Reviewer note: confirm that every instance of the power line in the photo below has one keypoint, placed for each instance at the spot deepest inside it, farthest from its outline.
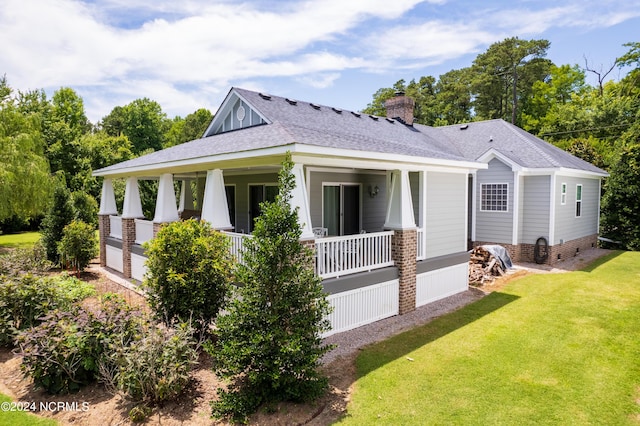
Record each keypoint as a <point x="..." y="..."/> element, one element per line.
<point x="585" y="130"/>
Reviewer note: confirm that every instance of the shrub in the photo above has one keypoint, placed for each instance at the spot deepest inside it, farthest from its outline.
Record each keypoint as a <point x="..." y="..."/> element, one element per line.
<point x="85" y="208"/>
<point x="23" y="260"/>
<point x="25" y="300"/>
<point x="64" y="352"/>
<point x="188" y="273"/>
<point x="78" y="245"/>
<point x="268" y="343"/>
<point x="154" y="366"/>
<point x="59" y="215"/>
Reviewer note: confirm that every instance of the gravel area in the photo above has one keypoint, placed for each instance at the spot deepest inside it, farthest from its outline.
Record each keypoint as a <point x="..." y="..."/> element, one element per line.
<point x="349" y="342"/>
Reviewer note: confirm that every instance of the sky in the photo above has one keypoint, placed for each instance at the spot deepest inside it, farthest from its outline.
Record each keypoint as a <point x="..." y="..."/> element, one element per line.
<point x="187" y="54"/>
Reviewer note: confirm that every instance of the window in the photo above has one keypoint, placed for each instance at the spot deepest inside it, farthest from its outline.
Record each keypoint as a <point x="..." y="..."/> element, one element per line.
<point x="578" y="200"/>
<point x="494" y="197"/>
<point x="563" y="194"/>
<point x="258" y="194"/>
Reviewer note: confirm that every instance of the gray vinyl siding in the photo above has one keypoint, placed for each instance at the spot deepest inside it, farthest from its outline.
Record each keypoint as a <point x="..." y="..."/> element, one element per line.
<point x="373" y="210"/>
<point x="569" y="227"/>
<point x="534" y="210"/>
<point x="446" y="226"/>
<point x="242" y="183"/>
<point x="496" y="227"/>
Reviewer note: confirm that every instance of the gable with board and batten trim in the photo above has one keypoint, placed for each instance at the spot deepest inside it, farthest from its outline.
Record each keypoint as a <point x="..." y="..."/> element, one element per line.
<point x="235" y="113"/>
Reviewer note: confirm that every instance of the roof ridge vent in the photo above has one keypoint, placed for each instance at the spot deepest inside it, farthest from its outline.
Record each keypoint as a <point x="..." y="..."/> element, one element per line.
<point x="464" y="126"/>
<point x="357" y="114"/>
<point x="374" y="117"/>
<point x="336" y="110"/>
<point x="265" y="96"/>
<point x="390" y="120"/>
<point x="291" y="101"/>
<point x="314" y="106"/>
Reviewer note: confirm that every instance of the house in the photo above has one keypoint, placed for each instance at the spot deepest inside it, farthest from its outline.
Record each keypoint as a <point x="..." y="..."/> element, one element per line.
<point x="387" y="205"/>
<point x="532" y="193"/>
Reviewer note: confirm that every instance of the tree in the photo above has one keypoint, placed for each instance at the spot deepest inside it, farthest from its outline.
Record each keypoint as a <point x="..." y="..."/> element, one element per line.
<point x="504" y="75"/>
<point x="142" y="121"/>
<point x="268" y="342"/>
<point x="24" y="171"/>
<point x="188" y="273"/>
<point x="192" y="127"/>
<point x="621" y="201"/>
<point x="59" y="215"/>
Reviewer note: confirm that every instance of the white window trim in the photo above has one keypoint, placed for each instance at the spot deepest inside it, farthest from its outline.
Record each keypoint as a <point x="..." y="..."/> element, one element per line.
<point x="578" y="201"/>
<point x="563" y="193"/>
<point x="507" y="204"/>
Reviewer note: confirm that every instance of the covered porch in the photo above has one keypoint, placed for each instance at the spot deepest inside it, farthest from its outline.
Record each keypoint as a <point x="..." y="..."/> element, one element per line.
<point x="347" y="217"/>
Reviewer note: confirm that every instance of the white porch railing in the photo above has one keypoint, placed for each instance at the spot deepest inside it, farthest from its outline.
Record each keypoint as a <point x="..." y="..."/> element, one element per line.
<point x="421" y="251"/>
<point x="144" y="231"/>
<point x="350" y="254"/>
<point x="115" y="223"/>
<point x="237" y="244"/>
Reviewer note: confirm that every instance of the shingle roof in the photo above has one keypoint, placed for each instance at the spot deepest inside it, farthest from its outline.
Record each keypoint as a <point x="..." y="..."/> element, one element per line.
<point x="323" y="126"/>
<point x="476" y="138"/>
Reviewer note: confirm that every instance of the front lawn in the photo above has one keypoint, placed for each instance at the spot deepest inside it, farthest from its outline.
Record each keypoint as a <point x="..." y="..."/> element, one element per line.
<point x="547" y="349"/>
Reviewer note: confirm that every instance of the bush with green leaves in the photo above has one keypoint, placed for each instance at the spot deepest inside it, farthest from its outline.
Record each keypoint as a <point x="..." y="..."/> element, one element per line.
<point x="24" y="300"/>
<point x="188" y="273"/>
<point x="78" y="245"/>
<point x="25" y="260"/>
<point x="85" y="208"/>
<point x="268" y="343"/>
<point x="59" y="215"/>
<point x="155" y="365"/>
<point x="64" y="352"/>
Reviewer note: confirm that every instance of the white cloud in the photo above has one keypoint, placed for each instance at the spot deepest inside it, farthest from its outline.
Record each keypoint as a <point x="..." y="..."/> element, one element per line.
<point x="183" y="53"/>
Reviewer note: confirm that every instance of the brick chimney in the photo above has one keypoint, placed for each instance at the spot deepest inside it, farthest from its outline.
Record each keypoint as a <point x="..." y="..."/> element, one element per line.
<point x="400" y="107"/>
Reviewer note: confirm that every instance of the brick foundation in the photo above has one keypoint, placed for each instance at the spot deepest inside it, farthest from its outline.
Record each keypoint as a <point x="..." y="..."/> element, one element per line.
<point x="128" y="239"/>
<point x="569" y="249"/>
<point x="557" y="253"/>
<point x="403" y="251"/>
<point x="104" y="229"/>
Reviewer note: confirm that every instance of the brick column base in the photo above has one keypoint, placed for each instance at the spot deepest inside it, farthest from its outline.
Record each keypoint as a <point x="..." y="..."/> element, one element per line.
<point x="404" y="250"/>
<point x="311" y="245"/>
<point x="104" y="227"/>
<point x="156" y="228"/>
<point x="128" y="239"/>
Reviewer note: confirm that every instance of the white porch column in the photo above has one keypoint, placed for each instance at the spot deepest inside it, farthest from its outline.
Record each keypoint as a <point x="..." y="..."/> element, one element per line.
<point x="399" y="205"/>
<point x="300" y="200"/>
<point x="215" y="209"/>
<point x="132" y="208"/>
<point x="166" y="210"/>
<point x="186" y="196"/>
<point x="107" y="199"/>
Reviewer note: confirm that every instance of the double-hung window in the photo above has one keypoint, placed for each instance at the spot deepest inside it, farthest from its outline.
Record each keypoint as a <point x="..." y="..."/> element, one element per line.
<point x="494" y="197"/>
<point x="578" y="200"/>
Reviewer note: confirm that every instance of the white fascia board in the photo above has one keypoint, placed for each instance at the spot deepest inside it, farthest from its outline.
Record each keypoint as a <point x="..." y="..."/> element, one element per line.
<point x="562" y="171"/>
<point x="493" y="153"/>
<point x="201" y="163"/>
<point x="304" y="154"/>
<point x="323" y="156"/>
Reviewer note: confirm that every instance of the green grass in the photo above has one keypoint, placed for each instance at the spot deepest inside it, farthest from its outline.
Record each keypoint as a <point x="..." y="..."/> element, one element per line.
<point x="21" y="418"/>
<point x="22" y="240"/>
<point x="547" y="349"/>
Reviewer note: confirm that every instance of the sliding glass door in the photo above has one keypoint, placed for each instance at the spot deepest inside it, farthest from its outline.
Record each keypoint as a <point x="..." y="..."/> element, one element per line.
<point x="341" y="208"/>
